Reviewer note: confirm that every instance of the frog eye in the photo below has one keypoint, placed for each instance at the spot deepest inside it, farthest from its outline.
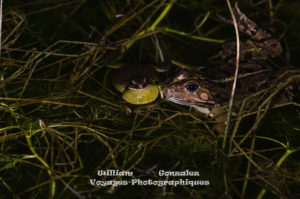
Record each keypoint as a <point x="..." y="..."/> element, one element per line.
<point x="131" y="83"/>
<point x="192" y="86"/>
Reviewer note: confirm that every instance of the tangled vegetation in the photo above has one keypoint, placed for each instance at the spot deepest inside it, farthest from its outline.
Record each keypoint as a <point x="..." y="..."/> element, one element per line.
<point x="61" y="120"/>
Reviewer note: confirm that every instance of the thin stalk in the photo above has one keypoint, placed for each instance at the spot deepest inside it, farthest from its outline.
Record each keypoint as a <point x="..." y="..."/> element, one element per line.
<point x="278" y="164"/>
<point x="235" y="74"/>
<point x="154" y="24"/>
<point x="271" y="8"/>
<point x="41" y="160"/>
<point x="1" y="3"/>
<point x="233" y="88"/>
<point x="161" y="16"/>
<point x="192" y="36"/>
<point x="203" y="21"/>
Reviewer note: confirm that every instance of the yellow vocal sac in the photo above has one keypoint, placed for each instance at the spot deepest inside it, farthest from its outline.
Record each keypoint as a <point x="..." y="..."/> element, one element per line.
<point x="141" y="96"/>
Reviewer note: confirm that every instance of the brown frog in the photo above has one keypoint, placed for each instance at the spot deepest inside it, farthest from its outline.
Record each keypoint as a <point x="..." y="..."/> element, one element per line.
<point x="190" y="89"/>
<point x="206" y="94"/>
<point x="257" y="49"/>
<point x="193" y="89"/>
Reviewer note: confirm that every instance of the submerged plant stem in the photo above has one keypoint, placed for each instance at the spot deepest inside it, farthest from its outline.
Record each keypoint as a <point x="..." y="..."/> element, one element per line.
<point x="29" y="143"/>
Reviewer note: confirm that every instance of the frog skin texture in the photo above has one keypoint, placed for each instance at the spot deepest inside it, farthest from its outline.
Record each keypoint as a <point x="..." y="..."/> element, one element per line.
<point x="206" y="91"/>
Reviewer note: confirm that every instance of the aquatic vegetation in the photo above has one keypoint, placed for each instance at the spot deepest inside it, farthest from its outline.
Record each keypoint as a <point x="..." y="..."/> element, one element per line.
<point x="61" y="119"/>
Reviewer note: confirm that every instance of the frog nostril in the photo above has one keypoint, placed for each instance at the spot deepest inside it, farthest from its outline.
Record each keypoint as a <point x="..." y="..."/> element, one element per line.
<point x="177" y="71"/>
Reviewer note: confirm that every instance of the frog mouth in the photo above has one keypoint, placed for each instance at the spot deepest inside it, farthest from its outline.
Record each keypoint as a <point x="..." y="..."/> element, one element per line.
<point x="199" y="103"/>
<point x="139" y="89"/>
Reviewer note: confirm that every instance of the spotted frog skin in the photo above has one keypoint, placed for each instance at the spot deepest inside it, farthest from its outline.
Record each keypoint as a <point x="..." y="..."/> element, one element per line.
<point x="190" y="89"/>
<point x="205" y="93"/>
<point x="257" y="49"/>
